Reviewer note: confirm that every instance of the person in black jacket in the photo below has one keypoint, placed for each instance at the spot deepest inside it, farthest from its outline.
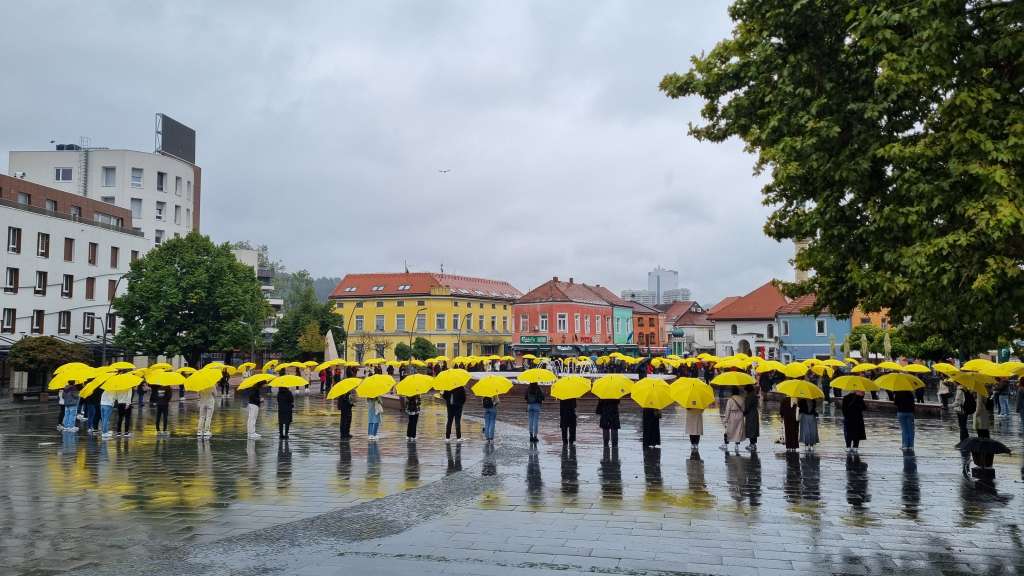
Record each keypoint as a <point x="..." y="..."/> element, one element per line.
<point x="285" y="406"/>
<point x="162" y="397"/>
<point x="567" y="420"/>
<point x="345" y="403"/>
<point x="853" y="420"/>
<point x="651" y="428"/>
<point x="412" y="413"/>
<point x="453" y="402"/>
<point x="608" y="410"/>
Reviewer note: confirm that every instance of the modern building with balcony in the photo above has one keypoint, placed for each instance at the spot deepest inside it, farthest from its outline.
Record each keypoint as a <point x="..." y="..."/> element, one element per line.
<point x="460" y="315"/>
<point x="265" y="277"/>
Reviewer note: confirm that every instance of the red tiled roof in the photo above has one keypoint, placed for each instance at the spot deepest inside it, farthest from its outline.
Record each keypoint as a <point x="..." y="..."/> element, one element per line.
<point x="608" y="296"/>
<point x="762" y="303"/>
<point x="723" y="303"/>
<point x="691" y="318"/>
<point x="639" y="308"/>
<point x="800" y="305"/>
<point x="555" y="290"/>
<point x="420" y="283"/>
<point x="675" y="309"/>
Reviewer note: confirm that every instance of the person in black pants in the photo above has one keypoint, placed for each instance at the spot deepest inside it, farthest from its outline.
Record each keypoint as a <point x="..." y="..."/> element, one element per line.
<point x="162" y="397"/>
<point x="345" y="403"/>
<point x="453" y="402"/>
<point x="608" y="410"/>
<point x="285" y="405"/>
<point x="567" y="420"/>
<point x="412" y="411"/>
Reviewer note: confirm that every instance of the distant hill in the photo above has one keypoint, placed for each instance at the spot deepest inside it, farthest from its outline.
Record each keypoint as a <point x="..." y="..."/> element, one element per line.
<point x="324" y="286"/>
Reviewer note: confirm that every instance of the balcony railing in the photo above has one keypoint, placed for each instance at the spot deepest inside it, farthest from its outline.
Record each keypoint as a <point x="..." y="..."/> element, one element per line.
<point x="69" y="217"/>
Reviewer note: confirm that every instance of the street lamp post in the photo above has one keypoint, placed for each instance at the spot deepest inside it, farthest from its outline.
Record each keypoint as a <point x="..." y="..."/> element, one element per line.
<point x="107" y="317"/>
<point x="416" y="315"/>
<point x="458" y="339"/>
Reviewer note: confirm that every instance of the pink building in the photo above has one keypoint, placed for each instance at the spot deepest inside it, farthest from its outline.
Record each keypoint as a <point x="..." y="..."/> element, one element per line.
<point x="562" y="318"/>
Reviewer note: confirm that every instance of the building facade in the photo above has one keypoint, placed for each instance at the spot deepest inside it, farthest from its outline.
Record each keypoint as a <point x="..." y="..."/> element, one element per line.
<point x="265" y="277"/>
<point x="688" y="331"/>
<point x="648" y="329"/>
<point x="747" y="324"/>
<point x="460" y="315"/>
<point x="622" y="314"/>
<point x="62" y="263"/>
<point x="563" y="318"/>
<point x="803" y="335"/>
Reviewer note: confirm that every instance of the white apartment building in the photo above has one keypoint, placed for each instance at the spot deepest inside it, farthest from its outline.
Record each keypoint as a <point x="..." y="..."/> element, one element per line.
<point x="61" y="263"/>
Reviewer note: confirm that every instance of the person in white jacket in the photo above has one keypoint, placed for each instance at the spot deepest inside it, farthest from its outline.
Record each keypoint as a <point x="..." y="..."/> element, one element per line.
<point x="106" y="407"/>
<point x="207" y="404"/>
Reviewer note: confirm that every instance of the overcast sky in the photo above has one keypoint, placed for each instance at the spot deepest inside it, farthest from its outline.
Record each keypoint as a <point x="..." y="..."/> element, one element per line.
<point x="321" y="130"/>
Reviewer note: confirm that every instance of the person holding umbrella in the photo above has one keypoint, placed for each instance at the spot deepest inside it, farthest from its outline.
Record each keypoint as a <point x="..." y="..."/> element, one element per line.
<point x="534" y="398"/>
<point x="253" y="408"/>
<point x="752" y="417"/>
<point x="808" y="410"/>
<point x="285" y="407"/>
<point x="734" y="424"/>
<point x="608" y="411"/>
<point x="345" y="403"/>
<point x="412" y="413"/>
<point x="964" y="404"/>
<point x="853" y="420"/>
<point x="567" y="420"/>
<point x="70" y="394"/>
<point x="905" y="402"/>
<point x="162" y="396"/>
<point x="454" y="400"/>
<point x="374" y="415"/>
<point x="790" y="423"/>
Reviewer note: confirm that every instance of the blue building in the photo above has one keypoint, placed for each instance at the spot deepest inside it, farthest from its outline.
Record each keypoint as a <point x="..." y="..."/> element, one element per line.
<point x="803" y="335"/>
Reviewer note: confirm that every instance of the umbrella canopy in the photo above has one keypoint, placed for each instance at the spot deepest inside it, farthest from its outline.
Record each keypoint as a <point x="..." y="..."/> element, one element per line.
<point x="328" y="364"/>
<point x="344" y="387"/>
<point x="269" y="364"/>
<point x="161" y="366"/>
<point x="375" y="386"/>
<point x="834" y="363"/>
<point x="899" y="382"/>
<point x="95" y="383"/>
<point x="733" y="379"/>
<point x="795" y="370"/>
<point x="537" y="375"/>
<point x="289" y="381"/>
<point x="976" y="364"/>
<point x="121" y="382"/>
<point x="414" y="385"/>
<point x="77" y="375"/>
<point x="800" y="389"/>
<point x="947" y="369"/>
<point x="863" y="367"/>
<point x="186" y="370"/>
<point x="854" y="383"/>
<point x="822" y="369"/>
<point x="244" y="366"/>
<point x="810" y="362"/>
<point x="123" y="366"/>
<point x="217" y="364"/>
<point x="998" y="371"/>
<point x="451" y="379"/>
<point x="769" y="365"/>
<point x="255" y="379"/>
<point x="917" y="369"/>
<point x="611" y="387"/>
<point x="202" y="380"/>
<point x="491" y="386"/>
<point x="651" y="393"/>
<point x="692" y="393"/>
<point x="569" y="387"/>
<point x="982" y="446"/>
<point x="889" y="365"/>
<point x="71" y="366"/>
<point x="977" y="383"/>
<point x="164" y="378"/>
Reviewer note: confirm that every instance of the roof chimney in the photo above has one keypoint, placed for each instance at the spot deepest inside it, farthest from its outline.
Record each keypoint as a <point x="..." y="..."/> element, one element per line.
<point x="554" y="278"/>
<point x="570" y="279"/>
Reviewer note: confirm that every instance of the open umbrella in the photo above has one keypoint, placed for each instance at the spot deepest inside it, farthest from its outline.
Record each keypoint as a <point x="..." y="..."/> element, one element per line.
<point x="269" y="364"/>
<point x="795" y="370"/>
<point x="899" y="382"/>
<point x="328" y="364"/>
<point x="537" y="375"/>
<point x="414" y="385"/>
<point x="769" y="365"/>
<point x="161" y="366"/>
<point x="77" y="375"/>
<point x="375" y="386"/>
<point x="916" y="369"/>
<point x="611" y="387"/>
<point x="854" y="383"/>
<point x="692" y="393"/>
<point x="982" y="446"/>
<point x="344" y="387"/>
<point x="164" y="378"/>
<point x="121" y="382"/>
<point x="202" y="380"/>
<point x="255" y="379"/>
<point x="977" y="383"/>
<point x="95" y="383"/>
<point x="733" y="379"/>
<point x="651" y="393"/>
<point x="889" y="365"/>
<point x="246" y="366"/>
<point x="491" y="386"/>
<point x="863" y="367"/>
<point x="186" y="370"/>
<point x="288" y="381"/>
<point x="569" y="387"/>
<point x="834" y="363"/>
<point x="800" y="389"/>
<point x="451" y="379"/>
<point x="123" y="366"/>
<point x="822" y="369"/>
<point x="71" y="366"/>
<point x="945" y="368"/>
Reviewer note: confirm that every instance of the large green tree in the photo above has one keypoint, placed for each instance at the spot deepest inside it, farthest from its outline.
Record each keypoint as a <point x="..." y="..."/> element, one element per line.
<point x="189" y="296"/>
<point x="892" y="132"/>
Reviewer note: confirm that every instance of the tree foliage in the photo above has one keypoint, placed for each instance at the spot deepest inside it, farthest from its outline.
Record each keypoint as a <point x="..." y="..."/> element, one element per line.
<point x="189" y="296"/>
<point x="306" y="310"/>
<point x="423" y="349"/>
<point x="310" y="341"/>
<point x="403" y="351"/>
<point x="893" y="133"/>
<point x="42" y="354"/>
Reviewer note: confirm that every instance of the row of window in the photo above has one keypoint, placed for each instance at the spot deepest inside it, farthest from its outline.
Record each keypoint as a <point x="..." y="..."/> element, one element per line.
<point x="581" y="323"/>
<point x="161" y="211"/>
<point x="43" y="248"/>
<point x="25" y="199"/>
<point x="401" y="303"/>
<point x="12" y="279"/>
<point x="37" y="322"/>
<point x="820" y="328"/>
<point x="440" y="323"/>
<point x="109" y="179"/>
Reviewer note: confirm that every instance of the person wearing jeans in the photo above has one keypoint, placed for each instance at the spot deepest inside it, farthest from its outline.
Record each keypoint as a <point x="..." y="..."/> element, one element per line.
<point x="904" y="400"/>
<point x="490" y="417"/>
<point x="70" y="396"/>
<point x="374" y="411"/>
<point x="534" y="397"/>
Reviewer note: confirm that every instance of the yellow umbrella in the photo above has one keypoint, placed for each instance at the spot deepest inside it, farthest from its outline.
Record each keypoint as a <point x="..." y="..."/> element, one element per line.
<point x="231" y="370"/>
<point x="863" y="367"/>
<point x="899" y="382"/>
<point x="611" y="387"/>
<point x="344" y="387"/>
<point x="418" y="363"/>
<point x="707" y="357"/>
<point x="998" y="371"/>
<point x="186" y="370"/>
<point x="976" y="364"/>
<point x="491" y="386"/>
<point x="328" y="364"/>
<point x="811" y="362"/>
<point x="202" y="380"/>
<point x="733" y="379"/>
<point x="256" y="379"/>
<point x="854" y="383"/>
<point x="569" y="387"/>
<point x="161" y="366"/>
<point x="945" y="368"/>
<point x="977" y="383"/>
<point x="289" y="381"/>
<point x="269" y="364"/>
<point x="215" y="364"/>
<point x="529" y="357"/>
<point x="889" y="365"/>
<point x="414" y="385"/>
<point x="164" y="378"/>
<point x="537" y="375"/>
<point x="820" y="369"/>
<point x="769" y="365"/>
<point x="244" y="366"/>
<point x="77" y="375"/>
<point x="309" y="363"/>
<point x="800" y="389"/>
<point x="651" y="393"/>
<point x="375" y="386"/>
<point x="121" y="382"/>
<point x="95" y="383"/>
<point x="916" y="369"/>
<point x="795" y="370"/>
<point x="123" y="366"/>
<point x="451" y="379"/>
<point x="71" y="366"/>
<point x="834" y="363"/>
<point x="741" y="363"/>
<point x="692" y="393"/>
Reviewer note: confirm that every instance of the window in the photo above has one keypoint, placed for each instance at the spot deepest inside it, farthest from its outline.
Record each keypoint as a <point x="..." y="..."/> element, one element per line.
<point x="94" y="249"/>
<point x="378" y="323"/>
<point x="62" y="174"/>
<point x="820" y="327"/>
<point x="14" y="240"/>
<point x="439" y="322"/>
<point x="134" y="255"/>
<point x="359" y="323"/>
<point x="188" y="190"/>
<point x="494" y="323"/>
<point x="177" y="214"/>
<point x="377" y="288"/>
<point x="111" y="323"/>
<point x="608" y="320"/>
<point x="562" y="322"/>
<point x="400" y="322"/>
<point x="421" y="322"/>
<point x="109" y="176"/>
<point x="51" y="205"/>
<point x="787" y="358"/>
<point x="524" y="323"/>
<point x="733" y="330"/>
<point x="161" y="181"/>
<point x="136" y="208"/>
<point x="90" y="288"/>
<point x="576" y="323"/>
<point x="586" y="325"/>
<point x="88" y="322"/>
<point x="403" y="287"/>
<point x="7" y="323"/>
<point x="158" y="236"/>
<point x="43" y="245"/>
<point x="379" y="303"/>
<point x="11" y="281"/>
<point x="504" y="323"/>
<point x="64" y="322"/>
<point x="350" y="289"/>
<point x="161" y="207"/>
<point x="771" y="331"/>
<point x="455" y="321"/>
<point x="784" y="326"/>
<point x="455" y="303"/>
<point x="40" y="287"/>
<point x="177" y="185"/>
<point x="618" y="325"/>
<point x="597" y="324"/>
<point x="543" y="323"/>
<point x="111" y="289"/>
<point x="69" y="249"/>
<point x="24" y="199"/>
<point x="136" y="178"/>
<point x="76" y="212"/>
<point x="67" y="286"/>
<point x="107" y="199"/>
<point x="115" y="254"/>
<point x="359" y="304"/>
<point x="400" y="304"/>
<point x="442" y="349"/>
<point x="421" y="302"/>
<point x="108" y="219"/>
<point x="188" y="217"/>
<point x="711" y="334"/>
<point x="37" y="321"/>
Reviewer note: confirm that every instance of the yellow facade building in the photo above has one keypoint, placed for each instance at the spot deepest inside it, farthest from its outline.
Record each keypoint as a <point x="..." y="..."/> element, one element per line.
<point x="460" y="315"/>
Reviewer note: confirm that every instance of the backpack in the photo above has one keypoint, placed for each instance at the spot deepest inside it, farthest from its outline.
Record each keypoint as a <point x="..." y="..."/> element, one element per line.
<point x="970" y="404"/>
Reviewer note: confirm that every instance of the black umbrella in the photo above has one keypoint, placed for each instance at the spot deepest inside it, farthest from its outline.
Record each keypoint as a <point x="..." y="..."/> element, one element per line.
<point x="977" y="445"/>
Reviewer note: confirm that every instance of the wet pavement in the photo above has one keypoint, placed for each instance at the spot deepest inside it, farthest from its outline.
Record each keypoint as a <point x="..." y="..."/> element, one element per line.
<point x="153" y="505"/>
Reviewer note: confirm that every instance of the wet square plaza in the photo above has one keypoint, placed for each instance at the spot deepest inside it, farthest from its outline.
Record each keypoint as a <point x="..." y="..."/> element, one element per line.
<point x="73" y="503"/>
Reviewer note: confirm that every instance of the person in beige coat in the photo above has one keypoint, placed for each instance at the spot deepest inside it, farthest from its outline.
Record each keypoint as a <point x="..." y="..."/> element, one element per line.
<point x="694" y="425"/>
<point x="735" y="428"/>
